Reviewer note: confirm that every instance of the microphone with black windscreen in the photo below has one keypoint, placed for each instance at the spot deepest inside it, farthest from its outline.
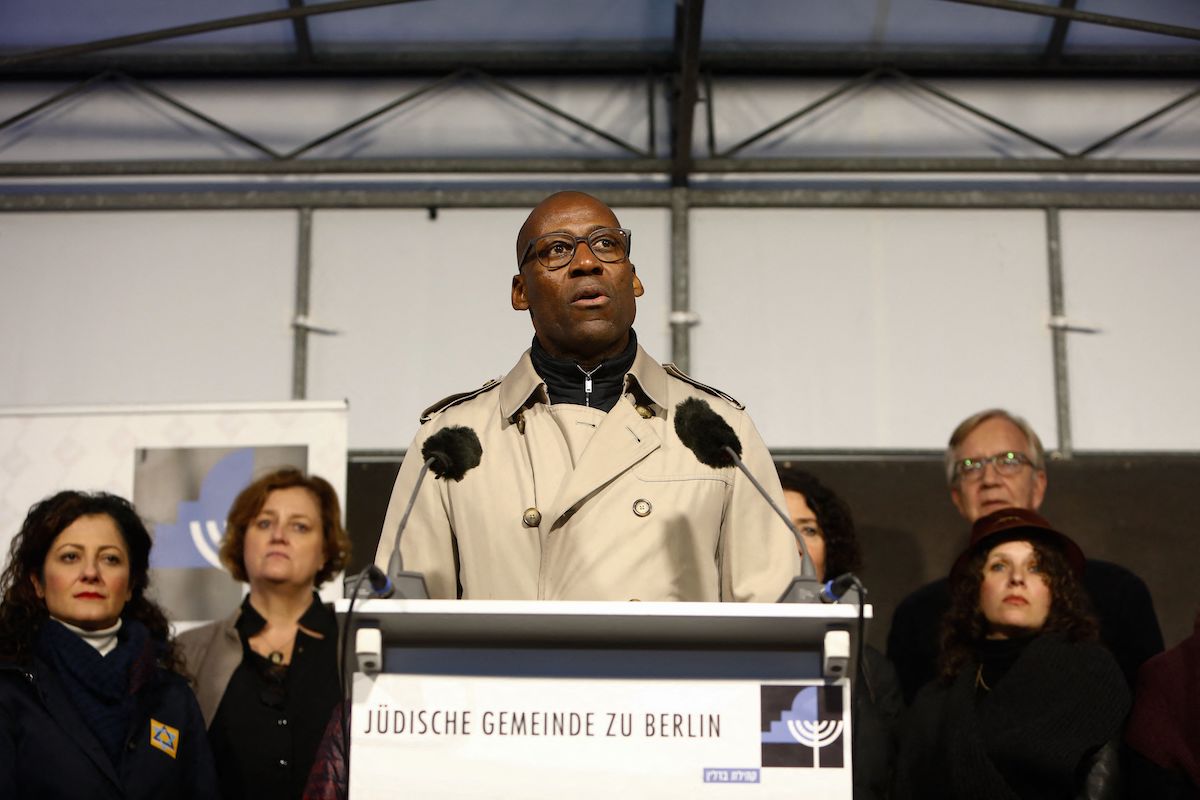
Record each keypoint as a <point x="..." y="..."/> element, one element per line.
<point x="716" y="444"/>
<point x="450" y="453"/>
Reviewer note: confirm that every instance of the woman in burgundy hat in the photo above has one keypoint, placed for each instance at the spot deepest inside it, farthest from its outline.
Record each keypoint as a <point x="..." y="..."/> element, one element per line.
<point x="1028" y="704"/>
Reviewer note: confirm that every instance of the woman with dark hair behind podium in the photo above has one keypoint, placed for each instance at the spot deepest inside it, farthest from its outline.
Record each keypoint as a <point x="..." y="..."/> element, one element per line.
<point x="825" y="520"/>
<point x="91" y="700"/>
<point x="266" y="676"/>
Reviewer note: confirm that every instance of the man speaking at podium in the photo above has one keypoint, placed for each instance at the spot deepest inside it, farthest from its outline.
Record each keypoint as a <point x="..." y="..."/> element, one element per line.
<point x="583" y="490"/>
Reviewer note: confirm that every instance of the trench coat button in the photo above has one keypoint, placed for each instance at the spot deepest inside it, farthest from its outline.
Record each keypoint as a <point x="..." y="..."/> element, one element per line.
<point x="532" y="518"/>
<point x="642" y="508"/>
<point x="645" y="412"/>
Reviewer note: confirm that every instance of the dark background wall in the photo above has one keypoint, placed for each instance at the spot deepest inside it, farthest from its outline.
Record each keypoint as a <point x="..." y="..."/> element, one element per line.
<point x="1136" y="510"/>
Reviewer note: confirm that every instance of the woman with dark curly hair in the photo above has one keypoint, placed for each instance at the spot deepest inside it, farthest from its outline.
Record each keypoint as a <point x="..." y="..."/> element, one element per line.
<point x="1028" y="704"/>
<point x="825" y="521"/>
<point x="91" y="701"/>
<point x="266" y="676"/>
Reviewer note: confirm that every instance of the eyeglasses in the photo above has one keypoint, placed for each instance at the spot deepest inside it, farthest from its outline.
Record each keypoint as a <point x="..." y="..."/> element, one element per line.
<point x="556" y="250"/>
<point x="1006" y="463"/>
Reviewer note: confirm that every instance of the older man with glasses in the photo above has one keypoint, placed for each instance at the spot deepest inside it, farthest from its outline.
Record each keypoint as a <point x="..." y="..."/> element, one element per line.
<point x="995" y="460"/>
<point x="584" y="490"/>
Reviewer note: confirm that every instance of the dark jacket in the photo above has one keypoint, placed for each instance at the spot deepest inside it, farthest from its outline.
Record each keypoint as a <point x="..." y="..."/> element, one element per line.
<point x="878" y="707"/>
<point x="1164" y="727"/>
<point x="47" y="750"/>
<point x="1039" y="732"/>
<point x="1128" y="624"/>
<point x="264" y="734"/>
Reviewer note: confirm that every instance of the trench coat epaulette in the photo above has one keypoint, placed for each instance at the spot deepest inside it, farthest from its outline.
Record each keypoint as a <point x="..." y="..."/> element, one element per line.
<point x="455" y="399"/>
<point x="676" y="372"/>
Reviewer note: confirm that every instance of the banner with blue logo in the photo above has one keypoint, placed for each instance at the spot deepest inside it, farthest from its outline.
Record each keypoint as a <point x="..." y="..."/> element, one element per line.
<point x="184" y="495"/>
<point x="181" y="464"/>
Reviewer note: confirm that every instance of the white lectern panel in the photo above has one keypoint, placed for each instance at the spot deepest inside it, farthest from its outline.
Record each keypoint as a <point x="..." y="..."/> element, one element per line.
<point x="595" y="700"/>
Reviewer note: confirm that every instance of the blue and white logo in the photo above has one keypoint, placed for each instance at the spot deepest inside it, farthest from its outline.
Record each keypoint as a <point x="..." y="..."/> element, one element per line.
<point x="802" y="726"/>
<point x="194" y="539"/>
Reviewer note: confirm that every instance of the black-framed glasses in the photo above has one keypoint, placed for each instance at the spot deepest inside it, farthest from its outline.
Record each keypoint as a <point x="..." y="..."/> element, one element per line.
<point x="556" y="250"/>
<point x="1006" y="463"/>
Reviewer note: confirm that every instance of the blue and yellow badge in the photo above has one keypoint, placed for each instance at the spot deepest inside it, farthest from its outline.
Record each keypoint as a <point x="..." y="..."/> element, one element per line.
<point x="164" y="737"/>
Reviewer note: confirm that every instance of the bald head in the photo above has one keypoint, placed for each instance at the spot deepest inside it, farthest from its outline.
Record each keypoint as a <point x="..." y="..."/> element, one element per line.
<point x="569" y="204"/>
<point x="583" y="309"/>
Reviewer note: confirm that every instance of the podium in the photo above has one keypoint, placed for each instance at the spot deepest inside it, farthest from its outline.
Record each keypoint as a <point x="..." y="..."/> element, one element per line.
<point x="540" y="699"/>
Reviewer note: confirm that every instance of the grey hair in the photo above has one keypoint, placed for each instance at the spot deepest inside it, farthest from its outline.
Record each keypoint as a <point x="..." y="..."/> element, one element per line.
<point x="974" y="421"/>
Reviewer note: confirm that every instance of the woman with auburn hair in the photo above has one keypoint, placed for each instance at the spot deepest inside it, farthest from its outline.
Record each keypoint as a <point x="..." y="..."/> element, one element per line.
<point x="1028" y="704"/>
<point x="266" y="676"/>
<point x="91" y="700"/>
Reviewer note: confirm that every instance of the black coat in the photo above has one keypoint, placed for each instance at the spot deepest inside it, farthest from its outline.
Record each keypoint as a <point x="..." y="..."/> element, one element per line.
<point x="47" y="750"/>
<point x="1034" y="734"/>
<point x="1164" y="728"/>
<point x="878" y="707"/>
<point x="1121" y="600"/>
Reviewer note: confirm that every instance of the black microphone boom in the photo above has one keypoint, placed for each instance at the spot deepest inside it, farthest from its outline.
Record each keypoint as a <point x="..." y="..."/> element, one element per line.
<point x="716" y="444"/>
<point x="707" y="434"/>
<point x="450" y="453"/>
<point x="454" y="451"/>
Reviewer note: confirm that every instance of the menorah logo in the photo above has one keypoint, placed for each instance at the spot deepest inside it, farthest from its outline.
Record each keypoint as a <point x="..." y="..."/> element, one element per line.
<point x="814" y="733"/>
<point x="802" y="726"/>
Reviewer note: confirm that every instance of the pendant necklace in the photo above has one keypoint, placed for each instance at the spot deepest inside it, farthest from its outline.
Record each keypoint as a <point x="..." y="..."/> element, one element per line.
<point x="275" y="654"/>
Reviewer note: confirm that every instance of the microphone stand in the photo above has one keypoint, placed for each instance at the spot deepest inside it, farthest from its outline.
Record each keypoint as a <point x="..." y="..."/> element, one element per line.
<point x="804" y="588"/>
<point x="408" y="585"/>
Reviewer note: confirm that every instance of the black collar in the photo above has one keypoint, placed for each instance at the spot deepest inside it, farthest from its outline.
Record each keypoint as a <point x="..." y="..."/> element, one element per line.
<point x="567" y="382"/>
<point x="316" y="618"/>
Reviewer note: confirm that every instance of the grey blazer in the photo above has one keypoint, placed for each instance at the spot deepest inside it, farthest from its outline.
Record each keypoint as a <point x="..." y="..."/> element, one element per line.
<point x="211" y="654"/>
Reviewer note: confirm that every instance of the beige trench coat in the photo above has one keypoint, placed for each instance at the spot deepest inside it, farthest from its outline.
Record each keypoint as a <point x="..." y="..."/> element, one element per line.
<point x="639" y="518"/>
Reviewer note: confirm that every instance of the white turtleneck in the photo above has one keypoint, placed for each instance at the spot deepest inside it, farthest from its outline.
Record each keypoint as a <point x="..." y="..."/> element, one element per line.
<point x="104" y="640"/>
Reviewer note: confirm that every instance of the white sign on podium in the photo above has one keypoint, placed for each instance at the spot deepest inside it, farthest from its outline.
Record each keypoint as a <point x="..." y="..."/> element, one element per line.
<point x="599" y="700"/>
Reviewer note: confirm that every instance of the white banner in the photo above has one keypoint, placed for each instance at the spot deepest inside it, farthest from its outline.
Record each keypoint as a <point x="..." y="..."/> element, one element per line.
<point x="487" y="737"/>
<point x="137" y="452"/>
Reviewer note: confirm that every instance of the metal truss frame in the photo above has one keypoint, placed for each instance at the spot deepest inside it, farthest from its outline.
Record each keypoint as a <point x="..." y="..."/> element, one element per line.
<point x="638" y="176"/>
<point x="633" y="160"/>
<point x="1066" y="13"/>
<point x="87" y="58"/>
<point x="683" y="73"/>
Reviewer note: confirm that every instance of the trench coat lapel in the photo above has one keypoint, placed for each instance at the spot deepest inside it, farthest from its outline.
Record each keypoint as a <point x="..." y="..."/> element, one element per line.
<point x="622" y="439"/>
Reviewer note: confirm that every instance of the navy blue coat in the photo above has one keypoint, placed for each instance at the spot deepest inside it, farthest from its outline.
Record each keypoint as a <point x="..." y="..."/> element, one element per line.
<point x="47" y="750"/>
